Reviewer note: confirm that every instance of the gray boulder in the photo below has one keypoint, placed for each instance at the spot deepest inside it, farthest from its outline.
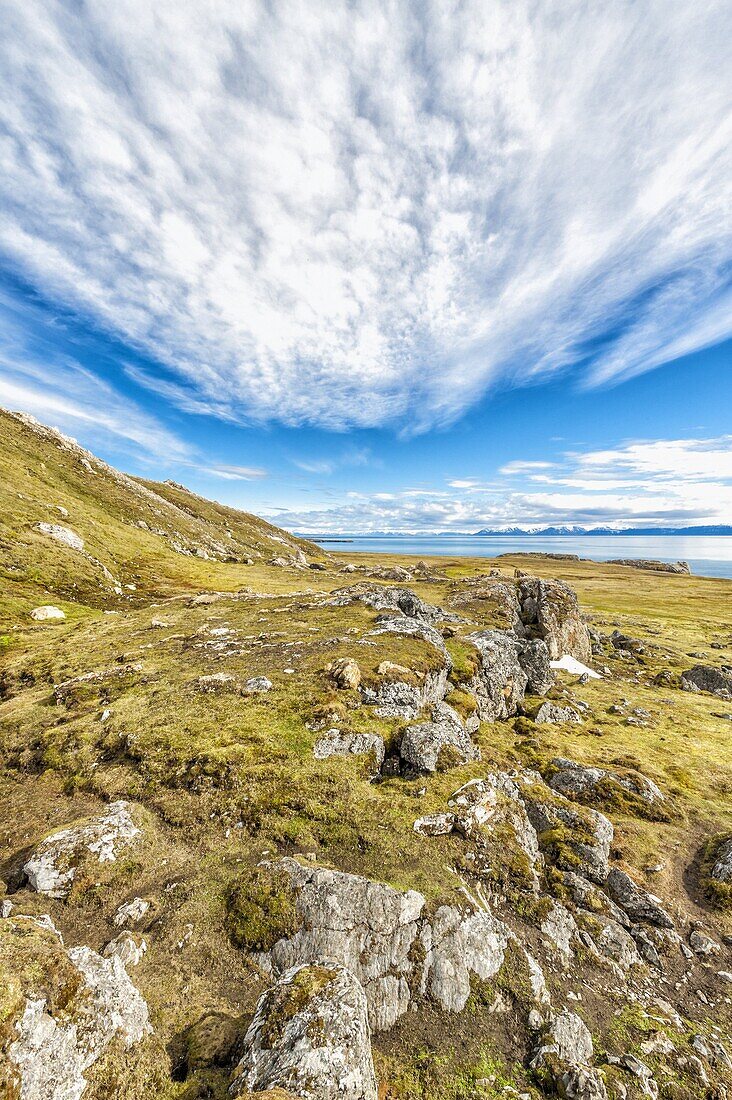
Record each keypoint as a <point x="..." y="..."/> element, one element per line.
<point x="433" y="746"/>
<point x="388" y="598"/>
<point x="339" y="743"/>
<point x="581" y="781"/>
<point x="64" y="535"/>
<point x="551" y="714"/>
<point x="458" y="945"/>
<point x="639" y="904"/>
<point x="310" y="1036"/>
<point x="714" y="681"/>
<point x="575" y="838"/>
<point x="534" y="659"/>
<point x="49" y="1051"/>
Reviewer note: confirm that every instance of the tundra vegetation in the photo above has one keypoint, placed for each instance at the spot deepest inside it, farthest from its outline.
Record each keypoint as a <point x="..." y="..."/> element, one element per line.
<point x="284" y="821"/>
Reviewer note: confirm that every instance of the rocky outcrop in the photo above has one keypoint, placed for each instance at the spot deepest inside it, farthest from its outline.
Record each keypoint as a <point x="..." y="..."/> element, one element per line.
<point x="721" y="870"/>
<point x="706" y="678"/>
<point x="563" y="1058"/>
<point x="501" y="682"/>
<point x="382" y="937"/>
<point x="382" y="598"/>
<point x="369" y="927"/>
<point x="64" y="535"/>
<point x="574" y="838"/>
<point x="552" y="714"/>
<point x="549" y="610"/>
<point x="66" y="1009"/>
<point x="344" y="673"/>
<point x="412" y="628"/>
<point x="653" y="566"/>
<point x="310" y="1035"/>
<point x="53" y="866"/>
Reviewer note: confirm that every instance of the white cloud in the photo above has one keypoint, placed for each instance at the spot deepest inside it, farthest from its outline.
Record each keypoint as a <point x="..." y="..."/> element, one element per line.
<point x="367" y="213"/>
<point x="654" y="483"/>
<point x="235" y="473"/>
<point x="520" y="467"/>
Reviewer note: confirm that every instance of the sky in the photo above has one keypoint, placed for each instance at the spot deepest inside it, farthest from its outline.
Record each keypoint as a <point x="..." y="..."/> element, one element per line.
<point x="382" y="265"/>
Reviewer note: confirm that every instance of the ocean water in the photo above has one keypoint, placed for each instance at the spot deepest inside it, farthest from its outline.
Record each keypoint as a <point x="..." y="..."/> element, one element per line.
<point x="709" y="556"/>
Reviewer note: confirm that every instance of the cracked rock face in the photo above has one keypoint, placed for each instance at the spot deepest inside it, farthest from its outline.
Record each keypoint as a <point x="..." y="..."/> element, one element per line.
<point x="366" y="926"/>
<point x="578" y="838"/>
<point x="310" y="1035"/>
<point x="380" y="935"/>
<point x="52" y="867"/>
<point x="637" y="903"/>
<point x="61" y="1032"/>
<point x="501" y="682"/>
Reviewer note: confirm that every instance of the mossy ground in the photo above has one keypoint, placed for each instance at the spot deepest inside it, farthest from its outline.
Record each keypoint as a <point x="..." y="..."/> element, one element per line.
<point x="228" y="779"/>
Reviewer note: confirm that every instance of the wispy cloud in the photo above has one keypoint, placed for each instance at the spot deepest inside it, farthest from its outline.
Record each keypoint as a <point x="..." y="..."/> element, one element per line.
<point x="235" y="473"/>
<point x="368" y="213"/>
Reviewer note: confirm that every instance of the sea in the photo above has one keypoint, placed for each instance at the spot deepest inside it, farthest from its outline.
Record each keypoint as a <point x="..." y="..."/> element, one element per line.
<point x="708" y="556"/>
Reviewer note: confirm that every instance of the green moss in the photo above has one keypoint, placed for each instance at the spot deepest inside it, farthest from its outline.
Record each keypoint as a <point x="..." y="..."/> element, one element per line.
<point x="285" y="1001"/>
<point x="261" y="909"/>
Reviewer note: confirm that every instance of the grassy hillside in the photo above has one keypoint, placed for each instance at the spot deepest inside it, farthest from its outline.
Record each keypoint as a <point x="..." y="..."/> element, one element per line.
<point x="139" y="536"/>
<point x="222" y="778"/>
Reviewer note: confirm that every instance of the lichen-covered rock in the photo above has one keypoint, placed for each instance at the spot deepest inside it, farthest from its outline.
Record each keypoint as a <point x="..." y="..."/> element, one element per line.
<point x="434" y="824"/>
<point x="458" y="945"/>
<point x="131" y="912"/>
<point x="714" y="681"/>
<point x="722" y="866"/>
<point x="481" y="806"/>
<point x="550" y="714"/>
<point x="639" y="904"/>
<point x="65" y="1008"/>
<point x="412" y="628"/>
<point x="615" y="943"/>
<point x="126" y="947"/>
<point x="52" y="867"/>
<point x="575" y="838"/>
<point x="550" y="611"/>
<point x="64" y="535"/>
<point x="581" y="781"/>
<point x="560" y="928"/>
<point x="337" y="742"/>
<point x="436" y="746"/>
<point x="310" y="1035"/>
<point x="562" y="1060"/>
<point x="535" y="661"/>
<point x="388" y="598"/>
<point x="256" y="685"/>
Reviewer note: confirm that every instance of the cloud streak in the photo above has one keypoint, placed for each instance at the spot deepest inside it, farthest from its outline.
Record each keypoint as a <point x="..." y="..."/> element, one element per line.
<point x="368" y="214"/>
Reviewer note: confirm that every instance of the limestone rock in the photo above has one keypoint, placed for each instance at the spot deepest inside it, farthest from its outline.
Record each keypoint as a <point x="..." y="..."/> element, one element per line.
<point x="581" y="781"/>
<point x="459" y="945"/>
<point x="310" y="1035"/>
<point x="50" y="1048"/>
<point x="131" y="912"/>
<point x="434" y="824"/>
<point x="550" y="714"/>
<point x="575" y="838"/>
<point x="129" y="949"/>
<point x="64" y="535"/>
<point x="535" y="661"/>
<point x="367" y="926"/>
<point x="501" y="682"/>
<point x="339" y="743"/>
<point x="388" y="598"/>
<point x="52" y="867"/>
<point x="256" y="685"/>
<point x="48" y="611"/>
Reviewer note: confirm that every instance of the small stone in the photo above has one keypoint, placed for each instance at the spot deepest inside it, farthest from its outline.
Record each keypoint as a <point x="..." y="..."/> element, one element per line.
<point x="46" y="613"/>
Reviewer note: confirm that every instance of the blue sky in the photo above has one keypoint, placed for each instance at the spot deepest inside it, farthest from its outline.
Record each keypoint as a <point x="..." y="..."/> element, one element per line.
<point x="358" y="267"/>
